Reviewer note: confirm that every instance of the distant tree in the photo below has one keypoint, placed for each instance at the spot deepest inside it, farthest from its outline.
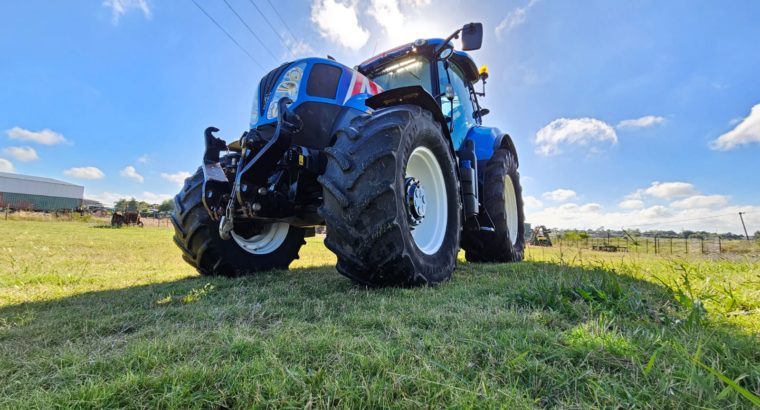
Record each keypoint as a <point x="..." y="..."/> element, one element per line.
<point x="166" y="206"/>
<point x="574" y="235"/>
<point x="132" y="205"/>
<point x="757" y="235"/>
<point x="121" y="204"/>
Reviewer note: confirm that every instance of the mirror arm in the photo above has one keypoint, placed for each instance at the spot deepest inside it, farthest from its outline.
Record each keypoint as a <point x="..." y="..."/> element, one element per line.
<point x="445" y="43"/>
<point x="482" y="93"/>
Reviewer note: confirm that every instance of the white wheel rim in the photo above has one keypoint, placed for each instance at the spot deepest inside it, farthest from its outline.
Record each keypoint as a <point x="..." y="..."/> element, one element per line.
<point x="268" y="241"/>
<point x="510" y="202"/>
<point x="424" y="167"/>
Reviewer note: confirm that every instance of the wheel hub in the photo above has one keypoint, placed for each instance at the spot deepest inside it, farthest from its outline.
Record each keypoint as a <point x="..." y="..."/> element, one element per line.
<point x="415" y="201"/>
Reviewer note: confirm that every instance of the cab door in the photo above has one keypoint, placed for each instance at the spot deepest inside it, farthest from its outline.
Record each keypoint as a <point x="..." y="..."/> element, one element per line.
<point x="458" y="111"/>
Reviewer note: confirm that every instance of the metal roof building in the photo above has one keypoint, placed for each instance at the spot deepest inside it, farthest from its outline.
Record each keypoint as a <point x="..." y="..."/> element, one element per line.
<point x="38" y="193"/>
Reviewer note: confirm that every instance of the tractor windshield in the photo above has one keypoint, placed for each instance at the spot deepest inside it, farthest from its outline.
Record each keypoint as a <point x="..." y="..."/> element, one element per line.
<point x="404" y="73"/>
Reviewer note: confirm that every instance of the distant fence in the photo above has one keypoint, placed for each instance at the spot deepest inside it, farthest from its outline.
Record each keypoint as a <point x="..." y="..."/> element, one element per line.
<point x="99" y="217"/>
<point x="661" y="245"/>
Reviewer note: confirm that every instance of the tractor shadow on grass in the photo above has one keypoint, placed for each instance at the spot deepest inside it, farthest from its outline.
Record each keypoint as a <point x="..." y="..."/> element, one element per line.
<point x="558" y="334"/>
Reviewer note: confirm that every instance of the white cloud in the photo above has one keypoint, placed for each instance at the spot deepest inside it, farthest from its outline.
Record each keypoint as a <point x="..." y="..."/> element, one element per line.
<point x="654" y="212"/>
<point x="387" y="14"/>
<point x="85" y="173"/>
<point x="631" y="204"/>
<point x="572" y="131"/>
<point x="513" y="19"/>
<point x="572" y="216"/>
<point x="143" y="159"/>
<point x="153" y="198"/>
<point x="637" y="194"/>
<point x="747" y="132"/>
<point x="6" y="166"/>
<point x="297" y="48"/>
<point x="532" y="202"/>
<point x="592" y="207"/>
<point x="122" y="7"/>
<point x="339" y="22"/>
<point x="416" y="3"/>
<point x="45" y="137"/>
<point x="559" y="195"/>
<point x="131" y="173"/>
<point x="643" y="122"/>
<point x="695" y="211"/>
<point x="109" y="198"/>
<point x="22" y="153"/>
<point x="177" y="177"/>
<point x="701" y="201"/>
<point x="670" y="190"/>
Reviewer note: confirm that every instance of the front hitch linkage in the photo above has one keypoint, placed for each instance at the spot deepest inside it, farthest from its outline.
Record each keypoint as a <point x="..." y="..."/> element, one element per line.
<point x="251" y="176"/>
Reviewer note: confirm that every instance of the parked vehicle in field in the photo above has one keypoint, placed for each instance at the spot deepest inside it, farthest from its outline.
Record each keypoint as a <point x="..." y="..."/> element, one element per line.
<point x="118" y="219"/>
<point x="129" y="215"/>
<point x="540" y="236"/>
<point x="391" y="156"/>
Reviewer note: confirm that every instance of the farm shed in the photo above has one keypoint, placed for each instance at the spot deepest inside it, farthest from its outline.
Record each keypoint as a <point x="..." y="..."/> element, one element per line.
<point x="38" y="193"/>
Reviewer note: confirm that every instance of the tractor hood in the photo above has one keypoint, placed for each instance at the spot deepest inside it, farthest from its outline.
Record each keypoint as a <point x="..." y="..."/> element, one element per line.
<point x="309" y="81"/>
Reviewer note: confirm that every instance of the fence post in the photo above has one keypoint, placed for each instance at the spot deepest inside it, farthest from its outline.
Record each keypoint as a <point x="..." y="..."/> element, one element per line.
<point x="720" y="245"/>
<point x="686" y="242"/>
<point x="671" y="246"/>
<point x="655" y="245"/>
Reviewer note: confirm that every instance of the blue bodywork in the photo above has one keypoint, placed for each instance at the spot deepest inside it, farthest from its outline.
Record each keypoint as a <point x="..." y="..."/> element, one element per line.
<point x="347" y="76"/>
<point x="354" y="87"/>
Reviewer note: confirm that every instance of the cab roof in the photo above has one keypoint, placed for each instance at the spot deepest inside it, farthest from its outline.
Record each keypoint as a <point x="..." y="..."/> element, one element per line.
<point x="460" y="58"/>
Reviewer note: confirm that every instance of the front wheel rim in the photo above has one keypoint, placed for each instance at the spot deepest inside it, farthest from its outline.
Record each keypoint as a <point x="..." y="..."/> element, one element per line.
<point x="270" y="239"/>
<point x="430" y="231"/>
<point x="510" y="203"/>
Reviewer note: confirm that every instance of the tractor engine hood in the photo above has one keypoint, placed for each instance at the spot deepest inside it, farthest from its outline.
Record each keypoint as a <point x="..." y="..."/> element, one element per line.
<point x="310" y="80"/>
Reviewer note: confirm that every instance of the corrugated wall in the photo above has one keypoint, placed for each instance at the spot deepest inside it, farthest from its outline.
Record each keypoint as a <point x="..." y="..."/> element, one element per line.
<point x="21" y="184"/>
<point x="37" y="202"/>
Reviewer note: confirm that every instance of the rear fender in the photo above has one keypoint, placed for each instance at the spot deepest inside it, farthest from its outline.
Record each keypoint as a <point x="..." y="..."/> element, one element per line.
<point x="507" y="143"/>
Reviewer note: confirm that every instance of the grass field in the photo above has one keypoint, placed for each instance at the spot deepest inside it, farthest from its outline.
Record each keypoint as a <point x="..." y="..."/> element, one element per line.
<point x="93" y="317"/>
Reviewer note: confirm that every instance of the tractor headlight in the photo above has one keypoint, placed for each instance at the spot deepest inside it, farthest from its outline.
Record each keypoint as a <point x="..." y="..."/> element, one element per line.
<point x="255" y="109"/>
<point x="287" y="87"/>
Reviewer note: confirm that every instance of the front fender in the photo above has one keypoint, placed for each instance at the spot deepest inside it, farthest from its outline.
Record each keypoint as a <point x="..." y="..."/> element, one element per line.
<point x="414" y="95"/>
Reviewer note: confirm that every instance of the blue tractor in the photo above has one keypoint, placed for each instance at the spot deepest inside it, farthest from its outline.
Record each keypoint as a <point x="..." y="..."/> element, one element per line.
<point x="391" y="156"/>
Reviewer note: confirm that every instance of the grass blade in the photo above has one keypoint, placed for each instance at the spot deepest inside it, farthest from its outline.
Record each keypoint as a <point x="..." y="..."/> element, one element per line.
<point x="739" y="389"/>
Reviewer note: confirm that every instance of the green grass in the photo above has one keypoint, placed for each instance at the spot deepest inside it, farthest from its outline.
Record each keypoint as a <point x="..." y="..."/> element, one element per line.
<point x="114" y="318"/>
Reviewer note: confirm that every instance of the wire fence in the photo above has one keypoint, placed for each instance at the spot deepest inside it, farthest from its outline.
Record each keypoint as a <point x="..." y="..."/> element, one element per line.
<point x="662" y="245"/>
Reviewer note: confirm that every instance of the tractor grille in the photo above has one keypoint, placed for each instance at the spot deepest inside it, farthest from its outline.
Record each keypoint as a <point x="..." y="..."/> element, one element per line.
<point x="267" y="84"/>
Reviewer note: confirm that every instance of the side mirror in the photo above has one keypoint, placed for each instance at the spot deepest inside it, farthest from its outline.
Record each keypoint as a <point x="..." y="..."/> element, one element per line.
<point x="472" y="36"/>
<point x="481" y="113"/>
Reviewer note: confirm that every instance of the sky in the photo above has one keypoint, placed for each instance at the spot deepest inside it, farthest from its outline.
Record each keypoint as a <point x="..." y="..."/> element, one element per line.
<point x="640" y="114"/>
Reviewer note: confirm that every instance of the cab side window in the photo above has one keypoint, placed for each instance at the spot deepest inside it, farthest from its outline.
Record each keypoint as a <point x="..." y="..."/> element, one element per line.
<point x="460" y="109"/>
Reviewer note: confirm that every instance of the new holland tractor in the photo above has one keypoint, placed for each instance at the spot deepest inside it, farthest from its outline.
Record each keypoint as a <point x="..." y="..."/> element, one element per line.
<point x="391" y="156"/>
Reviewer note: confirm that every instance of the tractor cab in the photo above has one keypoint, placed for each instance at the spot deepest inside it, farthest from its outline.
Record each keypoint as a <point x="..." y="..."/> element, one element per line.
<point x="446" y="74"/>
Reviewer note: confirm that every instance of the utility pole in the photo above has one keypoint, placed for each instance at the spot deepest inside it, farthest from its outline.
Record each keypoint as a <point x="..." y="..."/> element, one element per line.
<point x="744" y="226"/>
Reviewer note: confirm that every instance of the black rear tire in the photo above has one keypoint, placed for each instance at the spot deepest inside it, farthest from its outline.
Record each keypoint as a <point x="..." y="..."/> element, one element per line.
<point x="498" y="246"/>
<point x="365" y="209"/>
<point x="197" y="235"/>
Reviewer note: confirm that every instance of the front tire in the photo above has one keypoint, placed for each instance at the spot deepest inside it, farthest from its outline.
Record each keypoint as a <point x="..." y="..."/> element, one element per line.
<point x="391" y="199"/>
<point x="504" y="205"/>
<point x="273" y="246"/>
